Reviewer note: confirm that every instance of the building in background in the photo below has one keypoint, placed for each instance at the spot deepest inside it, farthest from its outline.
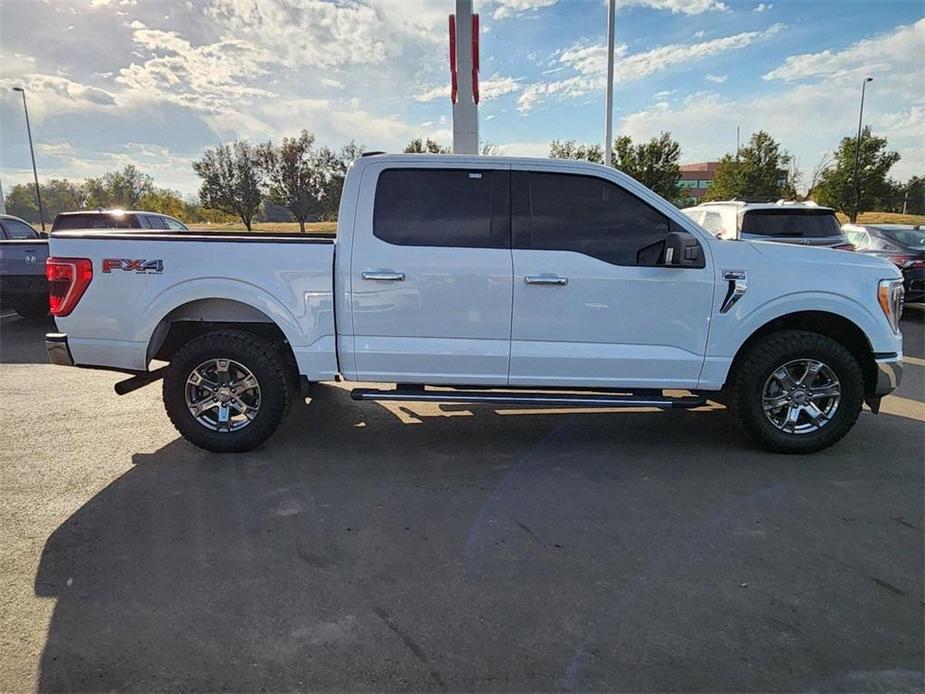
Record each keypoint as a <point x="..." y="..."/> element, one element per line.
<point x="696" y="179"/>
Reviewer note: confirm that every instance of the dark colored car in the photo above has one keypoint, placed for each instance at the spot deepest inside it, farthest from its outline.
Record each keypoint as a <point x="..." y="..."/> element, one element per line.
<point x="904" y="245"/>
<point x="116" y="219"/>
<point x="23" y="252"/>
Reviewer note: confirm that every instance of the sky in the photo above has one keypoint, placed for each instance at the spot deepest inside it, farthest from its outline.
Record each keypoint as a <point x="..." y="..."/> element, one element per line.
<point x="153" y="83"/>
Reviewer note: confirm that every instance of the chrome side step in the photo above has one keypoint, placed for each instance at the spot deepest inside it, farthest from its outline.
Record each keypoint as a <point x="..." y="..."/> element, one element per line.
<point x="525" y="398"/>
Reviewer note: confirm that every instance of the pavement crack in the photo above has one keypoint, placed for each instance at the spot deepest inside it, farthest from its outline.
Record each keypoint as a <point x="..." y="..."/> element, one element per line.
<point x="889" y="586"/>
<point x="410" y="644"/>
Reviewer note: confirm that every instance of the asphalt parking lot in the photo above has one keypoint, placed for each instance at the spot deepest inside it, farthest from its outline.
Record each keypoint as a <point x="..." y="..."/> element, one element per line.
<point x="456" y="548"/>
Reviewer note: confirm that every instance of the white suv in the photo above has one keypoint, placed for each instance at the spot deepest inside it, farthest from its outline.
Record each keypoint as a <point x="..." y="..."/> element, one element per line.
<point x="803" y="223"/>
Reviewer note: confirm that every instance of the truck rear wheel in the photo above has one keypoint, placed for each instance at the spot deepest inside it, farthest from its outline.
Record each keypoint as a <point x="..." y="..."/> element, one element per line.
<point x="795" y="391"/>
<point x="227" y="391"/>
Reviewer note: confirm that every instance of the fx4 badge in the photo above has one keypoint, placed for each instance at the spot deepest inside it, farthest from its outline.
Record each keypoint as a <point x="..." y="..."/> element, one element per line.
<point x="142" y="266"/>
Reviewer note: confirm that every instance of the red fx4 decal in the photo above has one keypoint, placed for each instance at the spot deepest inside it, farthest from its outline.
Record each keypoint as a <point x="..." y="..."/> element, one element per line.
<point x="140" y="265"/>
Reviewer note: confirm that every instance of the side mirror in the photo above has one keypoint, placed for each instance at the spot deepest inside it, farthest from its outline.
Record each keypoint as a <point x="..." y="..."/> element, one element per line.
<point x="683" y="250"/>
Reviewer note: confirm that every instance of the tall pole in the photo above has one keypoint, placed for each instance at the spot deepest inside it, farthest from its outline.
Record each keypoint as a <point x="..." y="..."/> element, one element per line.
<point x="35" y="171"/>
<point x="464" y="66"/>
<point x="857" y="153"/>
<point x="608" y="126"/>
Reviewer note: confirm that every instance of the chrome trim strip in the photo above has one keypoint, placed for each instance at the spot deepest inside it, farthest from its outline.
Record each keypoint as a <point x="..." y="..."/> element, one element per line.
<point x="546" y="279"/>
<point x="738" y="285"/>
<point x="385" y="276"/>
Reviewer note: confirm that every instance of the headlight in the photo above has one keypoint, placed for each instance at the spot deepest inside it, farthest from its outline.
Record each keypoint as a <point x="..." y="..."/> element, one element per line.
<point x="890" y="295"/>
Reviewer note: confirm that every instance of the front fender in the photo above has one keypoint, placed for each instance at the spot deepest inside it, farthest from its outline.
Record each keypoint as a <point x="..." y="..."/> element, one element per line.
<point x="730" y="331"/>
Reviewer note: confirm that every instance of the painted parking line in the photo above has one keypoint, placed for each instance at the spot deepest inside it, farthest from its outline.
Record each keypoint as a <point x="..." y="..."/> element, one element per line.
<point x="913" y="361"/>
<point x="7" y="315"/>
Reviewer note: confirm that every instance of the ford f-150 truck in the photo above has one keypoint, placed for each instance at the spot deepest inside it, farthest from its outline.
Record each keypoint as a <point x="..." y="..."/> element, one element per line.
<point x="22" y="268"/>
<point x="484" y="280"/>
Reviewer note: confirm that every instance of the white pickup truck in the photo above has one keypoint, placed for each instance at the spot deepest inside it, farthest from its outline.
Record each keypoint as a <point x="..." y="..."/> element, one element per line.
<point x="484" y="280"/>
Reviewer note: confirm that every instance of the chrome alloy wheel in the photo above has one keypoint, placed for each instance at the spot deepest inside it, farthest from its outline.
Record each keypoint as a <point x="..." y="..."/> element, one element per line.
<point x="222" y="395"/>
<point x="801" y="396"/>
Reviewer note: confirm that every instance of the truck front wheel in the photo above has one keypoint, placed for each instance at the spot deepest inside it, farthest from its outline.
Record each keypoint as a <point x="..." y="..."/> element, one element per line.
<point x="227" y="391"/>
<point x="795" y="391"/>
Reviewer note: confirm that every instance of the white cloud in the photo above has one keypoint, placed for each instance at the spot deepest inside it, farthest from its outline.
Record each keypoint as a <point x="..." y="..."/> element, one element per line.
<point x="590" y="62"/>
<point x="763" y="7"/>
<point x="512" y="8"/>
<point x="489" y="89"/>
<point x="716" y="79"/>
<point x="525" y="149"/>
<point x="208" y="78"/>
<point x="899" y="50"/>
<point x="333" y="83"/>
<point x="54" y="94"/>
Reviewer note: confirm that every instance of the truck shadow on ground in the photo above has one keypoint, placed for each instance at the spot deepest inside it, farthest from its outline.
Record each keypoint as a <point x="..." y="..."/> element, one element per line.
<point x="480" y="551"/>
<point x="22" y="340"/>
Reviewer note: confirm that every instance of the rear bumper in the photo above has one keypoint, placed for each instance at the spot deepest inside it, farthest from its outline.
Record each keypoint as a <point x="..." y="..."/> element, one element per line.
<point x="889" y="375"/>
<point x="58" y="351"/>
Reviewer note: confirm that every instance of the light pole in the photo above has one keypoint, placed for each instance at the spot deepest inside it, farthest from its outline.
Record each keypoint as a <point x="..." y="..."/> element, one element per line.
<point x="35" y="171"/>
<point x="608" y="127"/>
<point x="857" y="152"/>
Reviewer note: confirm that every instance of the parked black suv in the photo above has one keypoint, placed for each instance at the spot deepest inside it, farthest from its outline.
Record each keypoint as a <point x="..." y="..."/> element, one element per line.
<point x="116" y="219"/>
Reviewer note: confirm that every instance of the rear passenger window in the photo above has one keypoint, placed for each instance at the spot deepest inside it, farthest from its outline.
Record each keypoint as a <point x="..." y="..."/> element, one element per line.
<point x="585" y="214"/>
<point x="443" y="207"/>
<point x="153" y="222"/>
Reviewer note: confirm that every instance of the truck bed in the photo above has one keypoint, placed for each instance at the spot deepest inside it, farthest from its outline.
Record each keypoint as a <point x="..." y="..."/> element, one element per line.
<point x="141" y="279"/>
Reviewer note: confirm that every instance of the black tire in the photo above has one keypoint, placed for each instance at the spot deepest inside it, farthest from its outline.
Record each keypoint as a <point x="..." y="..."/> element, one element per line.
<point x="34" y="308"/>
<point x="253" y="353"/>
<point x="768" y="354"/>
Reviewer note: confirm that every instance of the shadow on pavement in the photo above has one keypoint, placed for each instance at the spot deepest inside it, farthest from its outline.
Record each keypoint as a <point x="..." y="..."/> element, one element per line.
<point x="487" y="551"/>
<point x="22" y="340"/>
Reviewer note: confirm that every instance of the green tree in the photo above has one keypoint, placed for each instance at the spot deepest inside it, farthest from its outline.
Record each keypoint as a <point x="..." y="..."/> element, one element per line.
<point x="759" y="170"/>
<point x="20" y="202"/>
<point x="838" y="187"/>
<point x="165" y="201"/>
<point x="295" y="175"/>
<point x="574" y="150"/>
<point x="655" y="163"/>
<point x="428" y="146"/>
<point x="58" y="195"/>
<point x="913" y="197"/>
<point x="123" y="188"/>
<point x="231" y="179"/>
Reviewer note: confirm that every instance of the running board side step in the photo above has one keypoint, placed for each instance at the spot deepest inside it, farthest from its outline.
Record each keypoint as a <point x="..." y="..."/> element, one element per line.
<point x="534" y="399"/>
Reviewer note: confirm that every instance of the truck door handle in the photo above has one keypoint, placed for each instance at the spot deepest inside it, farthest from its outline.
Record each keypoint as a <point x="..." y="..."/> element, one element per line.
<point x="385" y="275"/>
<point x="546" y="279"/>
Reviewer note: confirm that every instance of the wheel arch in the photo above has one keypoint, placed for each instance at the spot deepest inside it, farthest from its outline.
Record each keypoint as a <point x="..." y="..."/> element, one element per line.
<point x="832" y="325"/>
<point x="200" y="316"/>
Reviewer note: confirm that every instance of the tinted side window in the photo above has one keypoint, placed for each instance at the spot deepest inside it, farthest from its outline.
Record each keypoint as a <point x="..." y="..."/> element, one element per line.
<point x="19" y="230"/>
<point x="589" y="215"/>
<point x="155" y="222"/>
<point x="443" y="207"/>
<point x="174" y="224"/>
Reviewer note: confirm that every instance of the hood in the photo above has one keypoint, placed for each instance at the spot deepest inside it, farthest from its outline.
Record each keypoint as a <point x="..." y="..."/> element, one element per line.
<point x="823" y="257"/>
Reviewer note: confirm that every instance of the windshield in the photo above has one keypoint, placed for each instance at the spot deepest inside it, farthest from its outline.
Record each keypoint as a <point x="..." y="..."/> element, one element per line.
<point x="802" y="224"/>
<point x="914" y="238"/>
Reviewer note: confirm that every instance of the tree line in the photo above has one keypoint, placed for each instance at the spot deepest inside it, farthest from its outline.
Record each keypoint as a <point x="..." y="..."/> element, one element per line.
<point x="763" y="169"/>
<point x="300" y="180"/>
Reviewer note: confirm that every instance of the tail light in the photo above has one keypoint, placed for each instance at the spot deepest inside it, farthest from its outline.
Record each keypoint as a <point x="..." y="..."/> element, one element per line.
<point x="907" y="261"/>
<point x="68" y="279"/>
